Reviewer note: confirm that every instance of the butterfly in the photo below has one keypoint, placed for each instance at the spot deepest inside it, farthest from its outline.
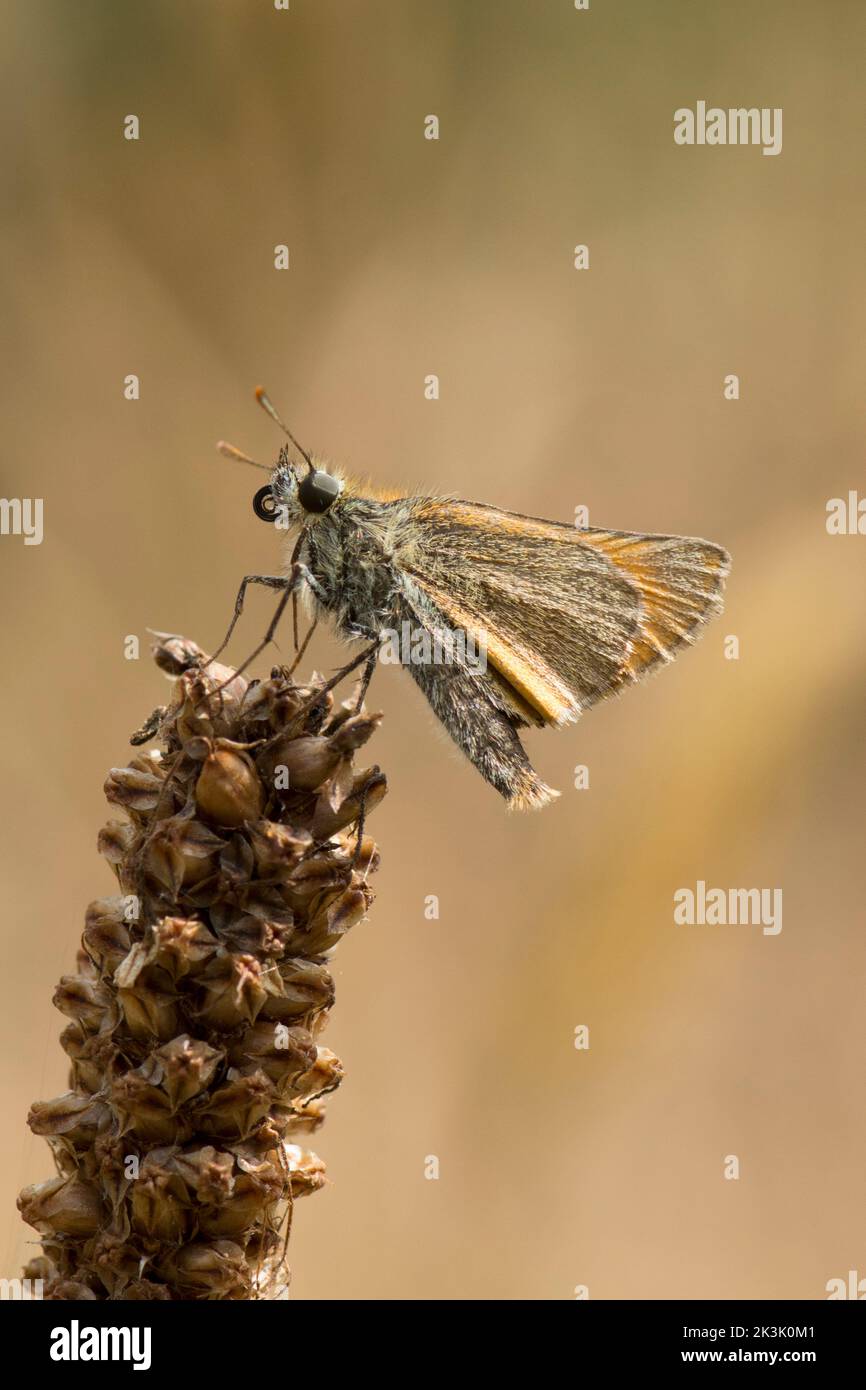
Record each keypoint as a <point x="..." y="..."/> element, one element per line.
<point x="504" y="621"/>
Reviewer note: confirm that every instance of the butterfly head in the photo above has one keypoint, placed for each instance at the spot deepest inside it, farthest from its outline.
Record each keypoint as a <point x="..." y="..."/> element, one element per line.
<point x="296" y="492"/>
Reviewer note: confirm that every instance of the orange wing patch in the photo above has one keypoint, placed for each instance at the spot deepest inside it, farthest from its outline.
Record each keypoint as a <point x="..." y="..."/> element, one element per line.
<point x="679" y="581"/>
<point x="537" y="687"/>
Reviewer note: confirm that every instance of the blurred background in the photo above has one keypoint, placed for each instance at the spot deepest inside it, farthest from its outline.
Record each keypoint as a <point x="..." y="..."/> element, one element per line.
<point x="559" y="388"/>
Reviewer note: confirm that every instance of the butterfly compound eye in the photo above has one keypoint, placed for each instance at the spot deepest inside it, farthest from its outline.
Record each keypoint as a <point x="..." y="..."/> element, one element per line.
<point x="317" y="491"/>
<point x="264" y="504"/>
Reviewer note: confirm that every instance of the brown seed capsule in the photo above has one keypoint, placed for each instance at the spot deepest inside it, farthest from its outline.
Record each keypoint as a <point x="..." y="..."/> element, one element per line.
<point x="302" y="989"/>
<point x="78" y="1118"/>
<point x="174" y="655"/>
<point x="251" y="1201"/>
<point x="329" y="917"/>
<point x="144" y="1110"/>
<point x="60" y="1290"/>
<point x="180" y="946"/>
<point x="278" y="848"/>
<point x="228" y="790"/>
<point x="207" y="1174"/>
<point x="328" y="820"/>
<point x="324" y="1075"/>
<point x="218" y="1270"/>
<point x="155" y="1209"/>
<point x="127" y="786"/>
<point x="229" y="993"/>
<point x="93" y="1057"/>
<point x="181" y="851"/>
<point x="354" y="732"/>
<point x="238" y="1106"/>
<point x="307" y="1170"/>
<point x="282" y="1053"/>
<point x="307" y="1116"/>
<point x="188" y="1066"/>
<point x="65" y="1205"/>
<point x="255" y="936"/>
<point x="84" y="1000"/>
<point x="106" y="929"/>
<point x="298" y="764"/>
<point x="199" y="711"/>
<point x="116" y="841"/>
<point x="150" y="1005"/>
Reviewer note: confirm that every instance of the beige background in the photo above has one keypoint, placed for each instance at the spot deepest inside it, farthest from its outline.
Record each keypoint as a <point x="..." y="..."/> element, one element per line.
<point x="559" y="388"/>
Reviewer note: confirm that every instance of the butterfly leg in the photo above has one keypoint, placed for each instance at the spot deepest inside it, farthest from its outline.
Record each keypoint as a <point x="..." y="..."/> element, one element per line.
<point x="362" y="814"/>
<point x="367" y="676"/>
<point x="288" y="586"/>
<point x="300" y="571"/>
<point x="368" y="656"/>
<point x="303" y="647"/>
<point x="270" y="581"/>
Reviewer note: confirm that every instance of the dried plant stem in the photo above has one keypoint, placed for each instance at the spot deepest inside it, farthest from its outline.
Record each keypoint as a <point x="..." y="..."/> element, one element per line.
<point x="201" y="991"/>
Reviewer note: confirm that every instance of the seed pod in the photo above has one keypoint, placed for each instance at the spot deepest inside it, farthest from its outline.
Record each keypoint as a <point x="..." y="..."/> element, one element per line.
<point x="324" y="1075"/>
<point x="65" y="1206"/>
<point x="138" y="791"/>
<point x="228" y="790"/>
<point x="369" y="787"/>
<point x="354" y="732"/>
<point x="215" y="1270"/>
<point x="229" y="993"/>
<point x="277" y="849"/>
<point x="282" y="1053"/>
<point x="187" y="1066"/>
<point x="78" y="1118"/>
<point x="306" y="762"/>
<point x="181" y="851"/>
<point x="106" y="930"/>
<point x="307" y="1171"/>
<point x="83" y="1000"/>
<point x="116" y="841"/>
<point x="303" y="989"/>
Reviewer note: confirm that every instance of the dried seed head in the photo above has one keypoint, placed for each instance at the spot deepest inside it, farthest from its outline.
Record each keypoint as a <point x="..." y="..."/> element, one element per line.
<point x="201" y="991"/>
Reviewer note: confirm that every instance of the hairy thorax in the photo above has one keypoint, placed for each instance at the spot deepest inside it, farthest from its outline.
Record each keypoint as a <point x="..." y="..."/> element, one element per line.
<point x="350" y="553"/>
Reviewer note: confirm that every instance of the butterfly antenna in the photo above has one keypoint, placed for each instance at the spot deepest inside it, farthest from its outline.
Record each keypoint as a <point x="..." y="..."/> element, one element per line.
<point x="230" y="452"/>
<point x="267" y="404"/>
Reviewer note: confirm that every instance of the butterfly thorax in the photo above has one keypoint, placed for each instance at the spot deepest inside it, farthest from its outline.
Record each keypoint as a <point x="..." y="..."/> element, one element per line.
<point x="350" y="553"/>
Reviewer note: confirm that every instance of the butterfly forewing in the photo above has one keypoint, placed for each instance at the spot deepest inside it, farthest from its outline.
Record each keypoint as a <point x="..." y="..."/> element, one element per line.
<point x="568" y="615"/>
